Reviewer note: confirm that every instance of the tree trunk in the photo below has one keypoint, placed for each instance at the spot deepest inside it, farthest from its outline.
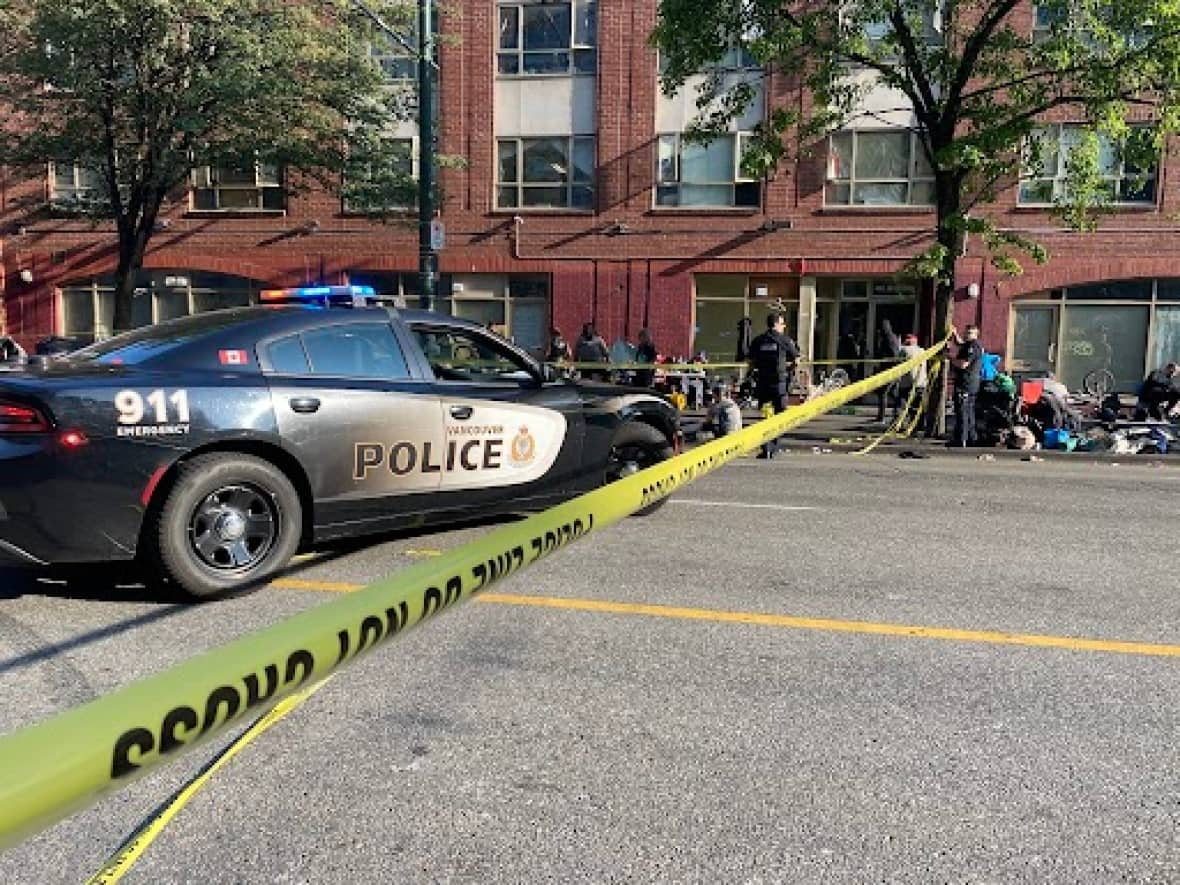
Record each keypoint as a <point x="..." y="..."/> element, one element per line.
<point x="951" y="239"/>
<point x="133" y="241"/>
<point x="124" y="296"/>
<point x="944" y="293"/>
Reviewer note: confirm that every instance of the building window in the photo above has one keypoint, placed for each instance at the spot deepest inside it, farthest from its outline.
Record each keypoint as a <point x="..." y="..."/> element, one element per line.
<point x="1124" y="327"/>
<point x="736" y="58"/>
<point x="1046" y="169"/>
<point x="722" y="301"/>
<point x="694" y="174"/>
<point x="251" y="187"/>
<point x="933" y="17"/>
<point x="1044" y="20"/>
<point x="878" y="168"/>
<point x="397" y="63"/>
<point x="515" y="306"/>
<point x="75" y="186"/>
<point x="88" y="308"/>
<point x="547" y="38"/>
<point x="390" y="184"/>
<point x="545" y="173"/>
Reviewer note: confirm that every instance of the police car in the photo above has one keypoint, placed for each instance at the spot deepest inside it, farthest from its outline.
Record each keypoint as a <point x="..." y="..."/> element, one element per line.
<point x="212" y="448"/>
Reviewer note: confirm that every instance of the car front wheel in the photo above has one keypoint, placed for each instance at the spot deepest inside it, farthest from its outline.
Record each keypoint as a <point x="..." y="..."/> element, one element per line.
<point x="637" y="446"/>
<point x="229" y="523"/>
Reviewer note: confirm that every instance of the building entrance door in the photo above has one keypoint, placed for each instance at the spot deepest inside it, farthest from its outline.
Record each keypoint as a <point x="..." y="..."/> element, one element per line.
<point x="852" y="342"/>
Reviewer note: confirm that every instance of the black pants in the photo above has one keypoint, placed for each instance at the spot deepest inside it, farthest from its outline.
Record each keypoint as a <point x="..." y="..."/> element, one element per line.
<point x="777" y="397"/>
<point x="1157" y="406"/>
<point x="964" y="418"/>
<point x="892" y="393"/>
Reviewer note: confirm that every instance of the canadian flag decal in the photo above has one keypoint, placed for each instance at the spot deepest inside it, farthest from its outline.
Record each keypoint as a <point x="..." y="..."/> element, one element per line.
<point x="232" y="357"/>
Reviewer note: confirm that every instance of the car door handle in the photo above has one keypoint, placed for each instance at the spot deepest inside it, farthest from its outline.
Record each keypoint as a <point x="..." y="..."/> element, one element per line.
<point x="461" y="412"/>
<point x="305" y="405"/>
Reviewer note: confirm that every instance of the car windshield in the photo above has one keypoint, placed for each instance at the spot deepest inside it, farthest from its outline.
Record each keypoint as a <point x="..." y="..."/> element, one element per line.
<point x="141" y="345"/>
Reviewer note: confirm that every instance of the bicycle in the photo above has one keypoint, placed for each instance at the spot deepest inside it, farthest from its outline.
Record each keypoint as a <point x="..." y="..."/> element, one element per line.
<point x="829" y="382"/>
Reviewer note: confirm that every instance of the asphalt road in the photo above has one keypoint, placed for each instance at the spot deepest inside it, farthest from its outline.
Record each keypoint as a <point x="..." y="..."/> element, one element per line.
<point x="819" y="742"/>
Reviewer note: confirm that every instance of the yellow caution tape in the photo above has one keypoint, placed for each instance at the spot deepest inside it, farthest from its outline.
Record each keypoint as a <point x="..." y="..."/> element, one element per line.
<point x="138" y="842"/>
<point x="56" y="767"/>
<point x="695" y="367"/>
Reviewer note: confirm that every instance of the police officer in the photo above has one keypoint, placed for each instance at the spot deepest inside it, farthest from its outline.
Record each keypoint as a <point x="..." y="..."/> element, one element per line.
<point x="772" y="360"/>
<point x="967" y="368"/>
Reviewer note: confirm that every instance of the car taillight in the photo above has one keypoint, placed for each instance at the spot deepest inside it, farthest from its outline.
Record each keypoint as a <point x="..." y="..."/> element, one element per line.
<point x="15" y="418"/>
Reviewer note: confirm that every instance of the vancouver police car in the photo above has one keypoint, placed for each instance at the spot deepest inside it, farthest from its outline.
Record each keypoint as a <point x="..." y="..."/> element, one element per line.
<point x="213" y="447"/>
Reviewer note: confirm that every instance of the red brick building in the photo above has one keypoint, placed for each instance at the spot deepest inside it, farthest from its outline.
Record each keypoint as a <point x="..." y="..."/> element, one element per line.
<point x="579" y="203"/>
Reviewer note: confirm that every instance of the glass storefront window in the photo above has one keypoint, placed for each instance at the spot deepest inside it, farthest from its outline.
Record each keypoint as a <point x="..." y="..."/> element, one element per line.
<point x="88" y="307"/>
<point x="722" y="300"/>
<point x="717" y="328"/>
<point x="1118" y="290"/>
<point x="1110" y="337"/>
<point x="516" y="306"/>
<point x="1167" y="336"/>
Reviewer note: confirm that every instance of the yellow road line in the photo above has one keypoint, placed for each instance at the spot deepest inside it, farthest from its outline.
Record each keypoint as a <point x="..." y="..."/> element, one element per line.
<point x="947" y="634"/>
<point x="425" y="553"/>
<point x="318" y="586"/>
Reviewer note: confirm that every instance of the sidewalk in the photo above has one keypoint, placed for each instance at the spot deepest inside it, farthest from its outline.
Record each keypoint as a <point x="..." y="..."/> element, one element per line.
<point x="846" y="433"/>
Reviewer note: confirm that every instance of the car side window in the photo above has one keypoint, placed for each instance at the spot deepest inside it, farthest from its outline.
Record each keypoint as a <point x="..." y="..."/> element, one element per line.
<point x="287" y="356"/>
<point x="357" y="350"/>
<point x="463" y="355"/>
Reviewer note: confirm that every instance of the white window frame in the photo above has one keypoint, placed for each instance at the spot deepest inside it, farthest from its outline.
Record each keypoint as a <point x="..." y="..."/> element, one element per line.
<point x="572" y="48"/>
<point x="1059" y="178"/>
<point x="204" y="178"/>
<point x="78" y="195"/>
<point x="851" y="181"/>
<point x="663" y="182"/>
<point x="520" y="185"/>
<point x="354" y="209"/>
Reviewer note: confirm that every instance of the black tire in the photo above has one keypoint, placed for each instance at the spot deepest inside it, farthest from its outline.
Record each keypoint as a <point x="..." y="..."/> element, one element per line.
<point x="635" y="446"/>
<point x="228" y="524"/>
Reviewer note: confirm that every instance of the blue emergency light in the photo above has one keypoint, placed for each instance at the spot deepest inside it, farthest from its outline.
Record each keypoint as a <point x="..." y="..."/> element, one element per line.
<point x="358" y="296"/>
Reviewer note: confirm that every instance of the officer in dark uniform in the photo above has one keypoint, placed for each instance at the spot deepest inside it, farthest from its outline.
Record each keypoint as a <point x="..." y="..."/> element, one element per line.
<point x="772" y="360"/>
<point x="967" y="367"/>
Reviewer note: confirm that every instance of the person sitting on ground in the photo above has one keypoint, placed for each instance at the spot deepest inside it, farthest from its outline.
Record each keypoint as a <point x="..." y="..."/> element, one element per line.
<point x="1158" y="395"/>
<point x="724" y="416"/>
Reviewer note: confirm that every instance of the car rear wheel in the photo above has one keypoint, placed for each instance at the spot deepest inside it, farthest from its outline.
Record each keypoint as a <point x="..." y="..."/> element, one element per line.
<point x="637" y="446"/>
<point x="229" y="523"/>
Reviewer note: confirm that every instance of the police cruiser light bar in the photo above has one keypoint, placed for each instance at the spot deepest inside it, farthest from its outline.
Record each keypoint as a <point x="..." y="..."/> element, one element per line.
<point x="356" y="296"/>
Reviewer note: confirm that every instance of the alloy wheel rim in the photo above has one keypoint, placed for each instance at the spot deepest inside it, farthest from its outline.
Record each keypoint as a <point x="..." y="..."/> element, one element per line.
<point x="234" y="528"/>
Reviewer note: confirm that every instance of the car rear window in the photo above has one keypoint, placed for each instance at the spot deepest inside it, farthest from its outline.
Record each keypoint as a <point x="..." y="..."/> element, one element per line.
<point x="134" y="348"/>
<point x="287" y="356"/>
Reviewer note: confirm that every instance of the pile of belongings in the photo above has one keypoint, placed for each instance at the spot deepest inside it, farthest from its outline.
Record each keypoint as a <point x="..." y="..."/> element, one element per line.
<point x="1144" y="439"/>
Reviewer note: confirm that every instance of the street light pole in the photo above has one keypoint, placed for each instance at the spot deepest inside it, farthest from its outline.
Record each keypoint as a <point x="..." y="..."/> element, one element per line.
<point x="427" y="258"/>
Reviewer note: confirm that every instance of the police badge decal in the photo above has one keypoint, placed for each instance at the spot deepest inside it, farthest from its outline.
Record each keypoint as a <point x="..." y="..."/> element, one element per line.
<point x="523" y="449"/>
